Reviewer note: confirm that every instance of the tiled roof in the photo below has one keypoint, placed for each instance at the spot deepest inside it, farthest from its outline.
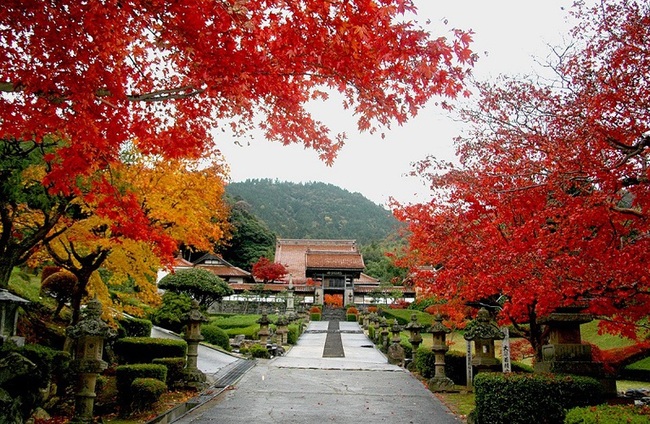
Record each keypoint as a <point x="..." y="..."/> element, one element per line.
<point x="366" y="279"/>
<point x="240" y="287"/>
<point x="334" y="260"/>
<point x="225" y="271"/>
<point x="182" y="263"/>
<point x="292" y="253"/>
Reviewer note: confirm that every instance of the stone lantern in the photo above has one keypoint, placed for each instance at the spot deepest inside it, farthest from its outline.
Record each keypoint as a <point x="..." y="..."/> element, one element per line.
<point x="396" y="354"/>
<point x="483" y="331"/>
<point x="414" y="328"/>
<point x="89" y="334"/>
<point x="383" y="338"/>
<point x="264" y="332"/>
<point x="9" y="316"/>
<point x="283" y="330"/>
<point x="193" y="319"/>
<point x="440" y="382"/>
<point x="565" y="353"/>
<point x="290" y="292"/>
<point x="365" y="319"/>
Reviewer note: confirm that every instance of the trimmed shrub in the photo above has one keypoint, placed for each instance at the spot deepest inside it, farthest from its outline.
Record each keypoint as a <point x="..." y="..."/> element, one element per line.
<point x="145" y="392"/>
<point x="126" y="374"/>
<point x="169" y="315"/>
<point x="314" y="316"/>
<point x="293" y="334"/>
<point x="175" y="368"/>
<point x="134" y="327"/>
<point x="139" y="350"/>
<point x="424" y="362"/>
<point x="527" y="395"/>
<point x="259" y="351"/>
<point x="371" y="332"/>
<point x="216" y="336"/>
<point x="608" y="414"/>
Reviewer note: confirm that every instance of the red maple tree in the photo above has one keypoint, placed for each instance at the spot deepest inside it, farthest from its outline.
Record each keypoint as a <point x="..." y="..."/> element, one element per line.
<point x="165" y="75"/>
<point x="549" y="204"/>
<point x="268" y="271"/>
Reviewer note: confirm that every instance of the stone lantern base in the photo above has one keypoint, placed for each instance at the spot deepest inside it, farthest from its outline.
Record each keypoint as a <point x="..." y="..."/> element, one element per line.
<point x="441" y="384"/>
<point x="194" y="379"/>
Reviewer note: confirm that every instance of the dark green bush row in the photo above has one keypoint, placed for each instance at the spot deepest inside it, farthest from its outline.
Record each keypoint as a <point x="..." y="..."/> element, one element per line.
<point x="314" y="316"/>
<point x="139" y="350"/>
<point x="608" y="414"/>
<point x="126" y="374"/>
<point x="145" y="392"/>
<point x="175" y="368"/>
<point x="515" y="398"/>
<point x="216" y="336"/>
<point x="134" y="327"/>
<point x="351" y="317"/>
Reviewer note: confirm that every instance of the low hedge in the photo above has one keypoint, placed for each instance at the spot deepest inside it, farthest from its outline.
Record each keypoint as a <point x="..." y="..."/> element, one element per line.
<point x="216" y="336"/>
<point x="134" y="327"/>
<point x="515" y="398"/>
<point x="638" y="371"/>
<point x="140" y="350"/>
<point x="249" y="332"/>
<point x="314" y="316"/>
<point x="175" y="368"/>
<point x="608" y="414"/>
<point x="145" y="392"/>
<point x="403" y="316"/>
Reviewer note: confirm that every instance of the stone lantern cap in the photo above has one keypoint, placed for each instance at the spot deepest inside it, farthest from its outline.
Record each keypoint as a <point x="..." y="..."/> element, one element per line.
<point x="383" y="323"/>
<point x="282" y="320"/>
<point x="194" y="315"/>
<point x="91" y="323"/>
<point x="414" y="325"/>
<point x="483" y="328"/>
<point x="264" y="320"/>
<point x="438" y="326"/>
<point x="6" y="296"/>
<point x="396" y="328"/>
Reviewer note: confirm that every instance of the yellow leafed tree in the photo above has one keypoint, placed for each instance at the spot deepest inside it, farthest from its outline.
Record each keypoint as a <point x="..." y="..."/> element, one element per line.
<point x="181" y="200"/>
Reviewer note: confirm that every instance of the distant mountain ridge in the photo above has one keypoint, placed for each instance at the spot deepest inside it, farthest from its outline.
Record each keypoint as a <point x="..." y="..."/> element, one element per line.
<point x="314" y="210"/>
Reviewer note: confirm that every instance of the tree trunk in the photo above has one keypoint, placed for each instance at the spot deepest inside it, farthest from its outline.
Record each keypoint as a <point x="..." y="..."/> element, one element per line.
<point x="7" y="264"/>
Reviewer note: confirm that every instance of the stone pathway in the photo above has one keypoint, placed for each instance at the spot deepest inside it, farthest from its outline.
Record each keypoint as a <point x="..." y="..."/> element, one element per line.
<point x="306" y="387"/>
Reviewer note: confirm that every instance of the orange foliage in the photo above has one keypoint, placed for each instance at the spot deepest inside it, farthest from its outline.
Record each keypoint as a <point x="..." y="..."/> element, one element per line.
<point x="334" y="300"/>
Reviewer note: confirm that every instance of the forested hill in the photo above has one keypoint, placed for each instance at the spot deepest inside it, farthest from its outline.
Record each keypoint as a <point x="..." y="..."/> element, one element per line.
<point x="314" y="210"/>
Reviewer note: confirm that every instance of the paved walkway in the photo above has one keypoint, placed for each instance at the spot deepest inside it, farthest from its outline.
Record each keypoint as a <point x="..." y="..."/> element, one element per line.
<point x="304" y="387"/>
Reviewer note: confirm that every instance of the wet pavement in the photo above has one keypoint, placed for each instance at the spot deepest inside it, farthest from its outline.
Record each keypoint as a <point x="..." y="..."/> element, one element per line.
<point x="305" y="387"/>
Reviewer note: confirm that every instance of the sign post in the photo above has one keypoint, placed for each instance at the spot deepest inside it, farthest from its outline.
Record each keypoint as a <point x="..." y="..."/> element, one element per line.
<point x="505" y="350"/>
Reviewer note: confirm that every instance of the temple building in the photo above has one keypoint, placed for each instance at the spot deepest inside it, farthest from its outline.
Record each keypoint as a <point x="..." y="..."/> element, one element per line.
<point x="316" y="268"/>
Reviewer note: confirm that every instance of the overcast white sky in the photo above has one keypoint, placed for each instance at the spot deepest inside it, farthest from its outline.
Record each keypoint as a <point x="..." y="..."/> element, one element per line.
<point x="508" y="35"/>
